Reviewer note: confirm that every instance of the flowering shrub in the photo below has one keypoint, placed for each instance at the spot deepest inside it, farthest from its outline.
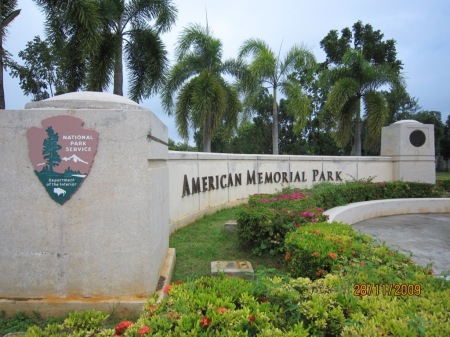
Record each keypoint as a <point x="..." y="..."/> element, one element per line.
<point x="265" y="221"/>
<point x="122" y="327"/>
<point x="292" y="307"/>
<point x="317" y="249"/>
<point x="267" y="218"/>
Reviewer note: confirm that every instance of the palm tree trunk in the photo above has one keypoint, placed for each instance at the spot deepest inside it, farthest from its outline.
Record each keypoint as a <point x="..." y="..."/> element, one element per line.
<point x="356" y="151"/>
<point x="275" y="122"/>
<point x="207" y="136"/>
<point x="118" y="67"/>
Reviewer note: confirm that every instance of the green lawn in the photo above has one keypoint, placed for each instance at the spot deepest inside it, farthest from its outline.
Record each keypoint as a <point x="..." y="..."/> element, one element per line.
<point x="206" y="240"/>
<point x="443" y="175"/>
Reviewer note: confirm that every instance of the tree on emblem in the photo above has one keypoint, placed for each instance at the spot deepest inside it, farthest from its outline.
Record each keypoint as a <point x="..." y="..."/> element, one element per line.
<point x="51" y="148"/>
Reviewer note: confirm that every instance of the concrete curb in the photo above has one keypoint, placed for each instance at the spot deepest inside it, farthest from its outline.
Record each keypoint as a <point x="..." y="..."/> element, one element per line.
<point x="360" y="211"/>
<point x="121" y="306"/>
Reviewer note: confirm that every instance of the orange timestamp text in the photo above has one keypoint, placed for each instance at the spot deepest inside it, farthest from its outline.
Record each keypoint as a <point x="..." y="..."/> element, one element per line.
<point x="395" y="289"/>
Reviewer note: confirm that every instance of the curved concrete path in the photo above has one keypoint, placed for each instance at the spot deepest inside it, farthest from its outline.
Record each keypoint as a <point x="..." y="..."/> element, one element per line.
<point x="426" y="236"/>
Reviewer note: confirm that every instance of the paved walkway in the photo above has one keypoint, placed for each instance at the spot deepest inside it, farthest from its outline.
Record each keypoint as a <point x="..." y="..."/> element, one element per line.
<point x="426" y="236"/>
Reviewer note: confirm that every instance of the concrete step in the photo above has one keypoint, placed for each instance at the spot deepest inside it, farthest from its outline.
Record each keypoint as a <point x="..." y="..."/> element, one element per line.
<point x="240" y="269"/>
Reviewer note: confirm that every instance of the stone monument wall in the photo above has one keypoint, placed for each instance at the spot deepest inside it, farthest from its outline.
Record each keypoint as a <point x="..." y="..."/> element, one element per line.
<point x="110" y="239"/>
<point x="79" y="230"/>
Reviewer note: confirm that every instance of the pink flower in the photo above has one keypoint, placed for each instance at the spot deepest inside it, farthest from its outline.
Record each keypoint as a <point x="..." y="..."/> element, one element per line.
<point x="122" y="327"/>
<point x="144" y="330"/>
<point x="332" y="255"/>
<point x="221" y="310"/>
<point x="430" y="271"/>
<point x="315" y="254"/>
<point x="205" y="321"/>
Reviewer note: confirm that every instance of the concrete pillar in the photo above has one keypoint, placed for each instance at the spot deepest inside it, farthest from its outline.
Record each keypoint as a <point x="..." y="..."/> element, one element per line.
<point x="411" y="146"/>
<point x="108" y="242"/>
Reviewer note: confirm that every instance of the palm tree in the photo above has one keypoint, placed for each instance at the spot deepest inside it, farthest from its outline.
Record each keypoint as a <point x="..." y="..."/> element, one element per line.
<point x="73" y="28"/>
<point x="355" y="80"/>
<point x="269" y="71"/>
<point x="96" y="33"/>
<point x="204" y="99"/>
<point x="127" y="28"/>
<point x="7" y="14"/>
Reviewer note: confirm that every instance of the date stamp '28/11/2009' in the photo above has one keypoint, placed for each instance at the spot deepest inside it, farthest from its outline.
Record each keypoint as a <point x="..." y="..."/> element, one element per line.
<point x="395" y="289"/>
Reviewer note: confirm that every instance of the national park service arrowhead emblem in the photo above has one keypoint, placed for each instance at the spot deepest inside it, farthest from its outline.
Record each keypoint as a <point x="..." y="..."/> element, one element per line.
<point x="62" y="153"/>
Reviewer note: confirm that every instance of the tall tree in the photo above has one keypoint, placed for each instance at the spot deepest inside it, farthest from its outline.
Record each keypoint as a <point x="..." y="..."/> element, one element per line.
<point x="435" y="118"/>
<point x="41" y="75"/>
<point x="7" y="14"/>
<point x="358" y="51"/>
<point x="133" y="28"/>
<point x="73" y="28"/>
<point x="354" y="81"/>
<point x="401" y="104"/>
<point x="267" y="70"/>
<point x="204" y="99"/>
<point x="109" y="29"/>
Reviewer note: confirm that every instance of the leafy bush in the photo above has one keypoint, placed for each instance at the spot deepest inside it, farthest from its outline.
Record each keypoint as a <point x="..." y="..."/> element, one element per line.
<point x="443" y="183"/>
<point x="316" y="249"/>
<point x="83" y="323"/>
<point x="225" y="306"/>
<point x="265" y="221"/>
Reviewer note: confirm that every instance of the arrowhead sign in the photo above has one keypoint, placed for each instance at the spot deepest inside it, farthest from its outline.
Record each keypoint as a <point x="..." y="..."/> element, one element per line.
<point x="62" y="153"/>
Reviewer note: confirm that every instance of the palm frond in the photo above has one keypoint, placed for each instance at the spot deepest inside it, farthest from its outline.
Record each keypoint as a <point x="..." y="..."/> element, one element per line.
<point x="377" y="112"/>
<point x="101" y="63"/>
<point x="162" y="11"/>
<point x="147" y="66"/>
<point x="299" y="105"/>
<point x="343" y="91"/>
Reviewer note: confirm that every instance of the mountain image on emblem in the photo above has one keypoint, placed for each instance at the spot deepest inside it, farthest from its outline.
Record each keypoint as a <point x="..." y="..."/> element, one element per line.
<point x="75" y="159"/>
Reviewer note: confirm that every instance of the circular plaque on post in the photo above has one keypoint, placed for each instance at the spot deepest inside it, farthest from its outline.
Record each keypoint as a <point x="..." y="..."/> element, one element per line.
<point x="417" y="138"/>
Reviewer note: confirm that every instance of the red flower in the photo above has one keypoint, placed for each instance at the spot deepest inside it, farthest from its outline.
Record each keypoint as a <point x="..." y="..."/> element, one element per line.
<point x="205" y="321"/>
<point x="144" y="330"/>
<point x="178" y="282"/>
<point x="332" y="255"/>
<point x="121" y="327"/>
<point x="287" y="257"/>
<point x="221" y="310"/>
<point x="319" y="272"/>
<point x="430" y="271"/>
<point x="315" y="254"/>
<point x="167" y="289"/>
<point x="252" y="318"/>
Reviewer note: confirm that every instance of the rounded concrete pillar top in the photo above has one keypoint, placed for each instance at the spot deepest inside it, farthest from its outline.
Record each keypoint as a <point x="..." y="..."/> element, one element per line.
<point x="86" y="100"/>
<point x="407" y="121"/>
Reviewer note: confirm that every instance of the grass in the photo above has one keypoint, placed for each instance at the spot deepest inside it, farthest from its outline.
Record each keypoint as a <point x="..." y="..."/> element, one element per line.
<point x="206" y="240"/>
<point x="443" y="175"/>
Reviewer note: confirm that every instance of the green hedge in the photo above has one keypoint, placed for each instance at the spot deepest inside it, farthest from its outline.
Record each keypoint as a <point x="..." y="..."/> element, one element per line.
<point x="443" y="183"/>
<point x="264" y="222"/>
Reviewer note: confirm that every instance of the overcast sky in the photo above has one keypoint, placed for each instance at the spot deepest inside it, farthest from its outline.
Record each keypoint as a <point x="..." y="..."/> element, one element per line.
<point x="418" y="27"/>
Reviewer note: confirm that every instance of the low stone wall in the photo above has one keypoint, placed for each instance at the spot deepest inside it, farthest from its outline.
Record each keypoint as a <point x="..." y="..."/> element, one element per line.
<point x="201" y="182"/>
<point x="360" y="211"/>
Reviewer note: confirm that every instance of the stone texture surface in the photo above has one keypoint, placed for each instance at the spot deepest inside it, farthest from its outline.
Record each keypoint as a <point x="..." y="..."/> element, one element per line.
<point x="230" y="225"/>
<point x="111" y="238"/>
<point x="241" y="269"/>
<point x="360" y="211"/>
<point x="425" y="236"/>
